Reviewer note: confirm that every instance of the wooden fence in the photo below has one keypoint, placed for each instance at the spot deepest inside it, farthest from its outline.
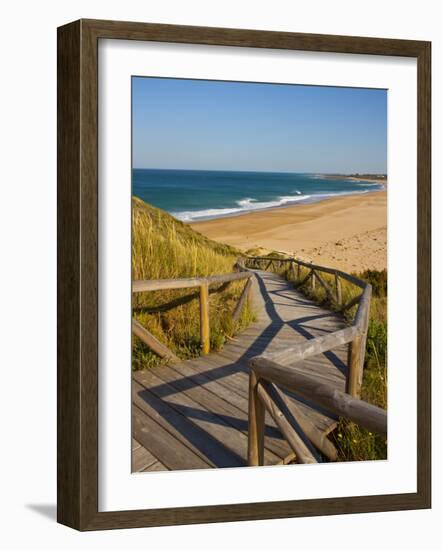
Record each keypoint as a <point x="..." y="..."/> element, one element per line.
<point x="203" y="283"/>
<point x="355" y="335"/>
<point x="267" y="375"/>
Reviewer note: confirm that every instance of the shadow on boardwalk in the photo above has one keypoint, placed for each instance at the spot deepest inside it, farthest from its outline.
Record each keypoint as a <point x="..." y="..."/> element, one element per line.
<point x="194" y="414"/>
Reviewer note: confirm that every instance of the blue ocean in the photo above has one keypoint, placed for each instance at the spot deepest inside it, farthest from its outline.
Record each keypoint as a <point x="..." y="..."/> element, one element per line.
<point x="196" y="195"/>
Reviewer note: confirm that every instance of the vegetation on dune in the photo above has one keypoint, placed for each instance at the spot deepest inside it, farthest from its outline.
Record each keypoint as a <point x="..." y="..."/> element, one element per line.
<point x="165" y="248"/>
<point x="352" y="441"/>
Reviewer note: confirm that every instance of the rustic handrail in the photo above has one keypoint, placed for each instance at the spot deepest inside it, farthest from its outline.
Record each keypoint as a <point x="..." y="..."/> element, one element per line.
<point x="355" y="336"/>
<point x="203" y="283"/>
<point x="315" y="346"/>
<point x="190" y="282"/>
<point x="324" y="395"/>
<point x="266" y="370"/>
<point x="270" y="371"/>
<point x="330" y="270"/>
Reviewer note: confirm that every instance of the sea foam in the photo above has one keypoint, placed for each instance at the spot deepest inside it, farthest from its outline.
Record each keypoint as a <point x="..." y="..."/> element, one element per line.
<point x="250" y="205"/>
<point x="244" y="205"/>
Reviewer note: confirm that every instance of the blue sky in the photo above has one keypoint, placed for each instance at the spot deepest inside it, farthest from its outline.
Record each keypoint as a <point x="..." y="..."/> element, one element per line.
<point x="215" y="125"/>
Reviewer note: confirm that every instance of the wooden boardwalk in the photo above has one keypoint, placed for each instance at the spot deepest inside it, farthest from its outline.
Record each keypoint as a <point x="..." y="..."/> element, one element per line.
<point x="194" y="414"/>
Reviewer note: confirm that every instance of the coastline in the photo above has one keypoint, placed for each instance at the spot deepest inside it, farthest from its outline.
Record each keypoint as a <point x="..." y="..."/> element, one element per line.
<point x="365" y="179"/>
<point x="348" y="232"/>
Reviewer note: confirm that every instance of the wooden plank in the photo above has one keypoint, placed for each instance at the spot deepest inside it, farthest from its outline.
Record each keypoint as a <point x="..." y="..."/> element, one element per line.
<point x="229" y="427"/>
<point x="174" y="455"/>
<point x="239" y="400"/>
<point x="239" y="383"/>
<point x="233" y="375"/>
<point x="212" y="415"/>
<point x="155" y="345"/>
<point x="142" y="459"/>
<point x="183" y="429"/>
<point x="156" y="467"/>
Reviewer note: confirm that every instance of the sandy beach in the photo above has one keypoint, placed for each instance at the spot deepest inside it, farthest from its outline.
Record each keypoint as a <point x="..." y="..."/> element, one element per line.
<point x="348" y="232"/>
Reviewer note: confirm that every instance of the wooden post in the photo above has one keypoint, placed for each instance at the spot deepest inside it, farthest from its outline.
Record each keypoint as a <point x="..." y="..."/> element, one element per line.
<point x="355" y="366"/>
<point x="356" y="352"/>
<point x="313" y="281"/>
<point x="242" y="301"/>
<point x="364" y="340"/>
<point x="155" y="345"/>
<point x="325" y="286"/>
<point x="255" y="454"/>
<point x="338" y="289"/>
<point x="292" y="265"/>
<point x="204" y="318"/>
<point x="287" y="426"/>
<point x="299" y="272"/>
<point x="316" y="436"/>
<point x="351" y="303"/>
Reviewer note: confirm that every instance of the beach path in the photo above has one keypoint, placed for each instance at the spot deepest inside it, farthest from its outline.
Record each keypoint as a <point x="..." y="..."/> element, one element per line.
<point x="194" y="414"/>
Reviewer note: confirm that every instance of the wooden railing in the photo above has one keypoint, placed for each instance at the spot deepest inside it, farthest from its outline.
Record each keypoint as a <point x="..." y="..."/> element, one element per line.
<point x="267" y="374"/>
<point x="355" y="335"/>
<point x="203" y="283"/>
<point x="266" y="377"/>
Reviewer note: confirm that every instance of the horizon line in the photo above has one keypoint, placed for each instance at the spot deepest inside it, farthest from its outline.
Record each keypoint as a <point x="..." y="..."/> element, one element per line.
<point x="360" y="172"/>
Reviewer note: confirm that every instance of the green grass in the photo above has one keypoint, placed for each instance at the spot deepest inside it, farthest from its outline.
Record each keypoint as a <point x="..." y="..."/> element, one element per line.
<point x="165" y="248"/>
<point x="352" y="441"/>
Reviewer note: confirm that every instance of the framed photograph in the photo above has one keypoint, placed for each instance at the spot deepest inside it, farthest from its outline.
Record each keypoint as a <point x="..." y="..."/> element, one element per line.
<point x="243" y="274"/>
